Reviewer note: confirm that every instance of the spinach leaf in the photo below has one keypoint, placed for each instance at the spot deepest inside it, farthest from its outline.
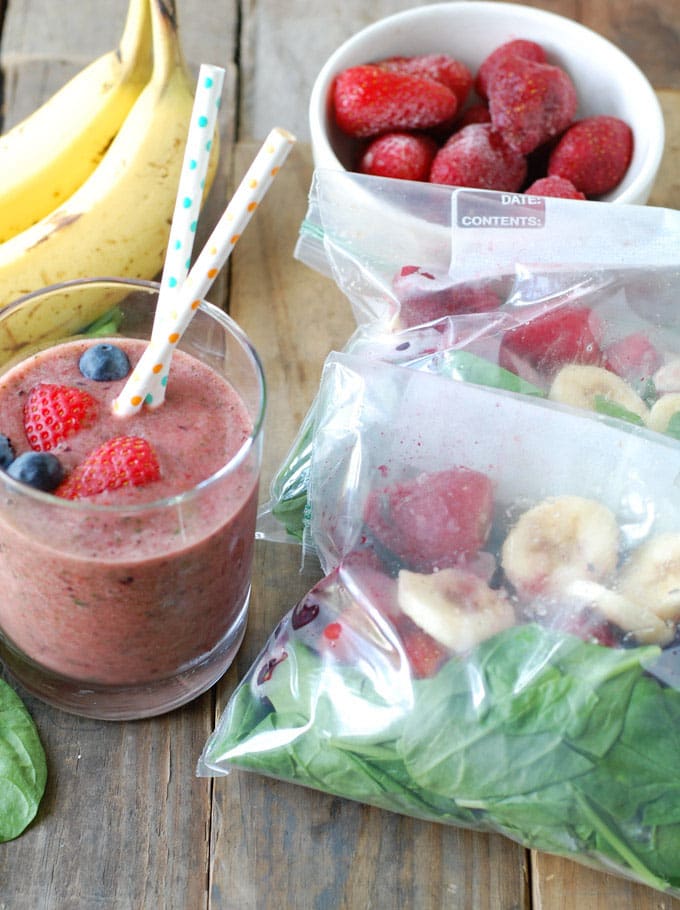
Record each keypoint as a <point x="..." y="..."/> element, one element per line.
<point x="23" y="767"/>
<point x="289" y="486"/>
<point x="107" y="324"/>
<point x="563" y="745"/>
<point x="604" y="405"/>
<point x="673" y="428"/>
<point x="467" y="367"/>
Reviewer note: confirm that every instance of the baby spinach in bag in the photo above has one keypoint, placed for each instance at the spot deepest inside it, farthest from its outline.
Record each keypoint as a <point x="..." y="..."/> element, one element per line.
<point x="537" y="734"/>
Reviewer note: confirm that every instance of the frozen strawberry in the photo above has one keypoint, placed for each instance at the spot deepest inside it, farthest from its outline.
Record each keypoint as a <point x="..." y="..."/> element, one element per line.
<point x="440" y="67"/>
<point x="404" y="156"/>
<point x="589" y="626"/>
<point x="121" y="461"/>
<point x="556" y="187"/>
<point x="369" y="100"/>
<point x="477" y="156"/>
<point x="425" y="655"/>
<point x="431" y="521"/>
<point x="594" y="154"/>
<point x="424" y="296"/>
<point x="52" y="413"/>
<point x="344" y="612"/>
<point x="530" y="102"/>
<point x="368" y="585"/>
<point x="477" y="113"/>
<point x="567" y="334"/>
<point x="633" y="358"/>
<point x="518" y="49"/>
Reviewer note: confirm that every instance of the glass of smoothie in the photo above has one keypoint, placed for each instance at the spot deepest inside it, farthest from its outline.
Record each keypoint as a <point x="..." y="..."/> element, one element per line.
<point x="124" y="589"/>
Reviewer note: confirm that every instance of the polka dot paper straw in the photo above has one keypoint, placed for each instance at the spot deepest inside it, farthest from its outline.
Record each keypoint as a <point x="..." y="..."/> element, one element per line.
<point x="191" y="182"/>
<point x="146" y="385"/>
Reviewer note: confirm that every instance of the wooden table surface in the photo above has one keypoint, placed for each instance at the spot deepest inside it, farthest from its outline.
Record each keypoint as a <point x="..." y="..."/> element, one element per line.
<point x="124" y="822"/>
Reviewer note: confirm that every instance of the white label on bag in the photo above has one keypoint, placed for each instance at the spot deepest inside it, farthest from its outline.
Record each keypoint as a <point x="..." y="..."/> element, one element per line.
<point x="483" y="209"/>
<point x="503" y="232"/>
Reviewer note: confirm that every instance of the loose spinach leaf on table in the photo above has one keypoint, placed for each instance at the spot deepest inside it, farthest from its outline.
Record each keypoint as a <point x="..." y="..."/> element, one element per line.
<point x="23" y="767"/>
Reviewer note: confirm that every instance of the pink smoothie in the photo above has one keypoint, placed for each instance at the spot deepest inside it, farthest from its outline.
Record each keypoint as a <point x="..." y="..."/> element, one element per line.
<point x="116" y="590"/>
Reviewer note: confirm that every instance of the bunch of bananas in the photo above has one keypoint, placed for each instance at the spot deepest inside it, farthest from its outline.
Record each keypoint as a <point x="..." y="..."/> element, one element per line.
<point x="97" y="170"/>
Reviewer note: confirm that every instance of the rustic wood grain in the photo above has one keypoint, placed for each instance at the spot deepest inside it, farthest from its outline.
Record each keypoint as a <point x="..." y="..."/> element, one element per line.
<point x="666" y="190"/>
<point x="649" y="32"/>
<point x="361" y="856"/>
<point x="559" y="884"/>
<point x="125" y="823"/>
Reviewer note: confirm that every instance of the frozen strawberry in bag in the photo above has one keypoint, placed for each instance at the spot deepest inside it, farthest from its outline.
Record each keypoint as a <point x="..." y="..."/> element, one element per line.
<point x="502" y="668"/>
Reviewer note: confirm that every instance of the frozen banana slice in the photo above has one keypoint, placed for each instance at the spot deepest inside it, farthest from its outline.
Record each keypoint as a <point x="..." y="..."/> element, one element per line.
<point x="560" y="540"/>
<point x="581" y="386"/>
<point x="634" y="618"/>
<point x="652" y="576"/>
<point x="455" y="607"/>
<point x="667" y="377"/>
<point x="662" y="412"/>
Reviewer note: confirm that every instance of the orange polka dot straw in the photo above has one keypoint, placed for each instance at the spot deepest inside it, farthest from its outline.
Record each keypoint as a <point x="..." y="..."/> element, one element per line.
<point x="146" y="385"/>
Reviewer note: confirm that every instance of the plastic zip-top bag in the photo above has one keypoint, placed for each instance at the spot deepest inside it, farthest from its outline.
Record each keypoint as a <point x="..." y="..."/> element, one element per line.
<point x="494" y="641"/>
<point x="563" y="299"/>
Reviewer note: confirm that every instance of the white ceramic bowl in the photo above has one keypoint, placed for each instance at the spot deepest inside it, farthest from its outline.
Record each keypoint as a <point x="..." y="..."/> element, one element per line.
<point x="607" y="81"/>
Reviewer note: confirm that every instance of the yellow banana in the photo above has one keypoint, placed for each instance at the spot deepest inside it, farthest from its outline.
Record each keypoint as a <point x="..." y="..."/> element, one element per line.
<point x="651" y="576"/>
<point x="581" y="385"/>
<point x="560" y="540"/>
<point x="117" y="223"/>
<point x="663" y="411"/>
<point x="47" y="156"/>
<point x="453" y="606"/>
<point x="633" y="617"/>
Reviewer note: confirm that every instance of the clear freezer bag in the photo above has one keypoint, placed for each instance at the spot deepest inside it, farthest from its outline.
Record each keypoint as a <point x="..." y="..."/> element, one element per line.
<point x="581" y="307"/>
<point x="494" y="641"/>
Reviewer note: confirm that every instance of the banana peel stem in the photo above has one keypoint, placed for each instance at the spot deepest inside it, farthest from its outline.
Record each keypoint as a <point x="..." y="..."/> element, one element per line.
<point x="135" y="50"/>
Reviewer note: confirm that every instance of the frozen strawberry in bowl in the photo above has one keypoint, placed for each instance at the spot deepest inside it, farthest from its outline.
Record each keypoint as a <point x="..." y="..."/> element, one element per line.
<point x="530" y="73"/>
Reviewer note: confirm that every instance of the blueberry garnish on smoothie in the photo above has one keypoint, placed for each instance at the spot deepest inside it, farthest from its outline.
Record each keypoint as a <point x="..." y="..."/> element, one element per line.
<point x="41" y="470"/>
<point x="104" y="363"/>
<point x="7" y="454"/>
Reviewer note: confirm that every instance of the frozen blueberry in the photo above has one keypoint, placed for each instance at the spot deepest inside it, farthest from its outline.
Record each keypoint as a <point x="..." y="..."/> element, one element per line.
<point x="7" y="455"/>
<point x="104" y="363"/>
<point x="41" y="470"/>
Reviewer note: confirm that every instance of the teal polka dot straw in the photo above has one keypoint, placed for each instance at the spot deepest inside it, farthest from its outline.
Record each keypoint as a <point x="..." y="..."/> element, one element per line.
<point x="191" y="183"/>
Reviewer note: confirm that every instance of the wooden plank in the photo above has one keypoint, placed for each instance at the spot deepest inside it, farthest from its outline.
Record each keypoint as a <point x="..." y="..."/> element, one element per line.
<point x="123" y="820"/>
<point x="666" y="190"/>
<point x="293" y="315"/>
<point x="648" y="32"/>
<point x="311" y="849"/>
<point x="79" y="32"/>
<point x="559" y="884"/>
<point x="43" y="45"/>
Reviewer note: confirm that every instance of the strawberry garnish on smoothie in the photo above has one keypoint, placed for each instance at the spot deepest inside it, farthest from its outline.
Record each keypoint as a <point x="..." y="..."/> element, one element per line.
<point x="54" y="412"/>
<point x="118" y="462"/>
